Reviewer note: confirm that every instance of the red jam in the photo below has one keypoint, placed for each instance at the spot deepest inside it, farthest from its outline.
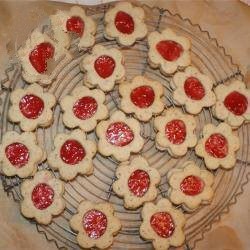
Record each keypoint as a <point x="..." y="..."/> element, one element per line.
<point x="42" y="196"/>
<point x="119" y="134"/>
<point x="169" y="50"/>
<point x="217" y="146"/>
<point x="124" y="23"/>
<point x="31" y="106"/>
<point x="175" y="131"/>
<point x="163" y="224"/>
<point x="17" y="154"/>
<point x="39" y="55"/>
<point x="72" y="152"/>
<point x="104" y="66"/>
<point x="138" y="182"/>
<point x="192" y="185"/>
<point x="85" y="107"/>
<point x="194" y="89"/>
<point x="236" y="103"/>
<point x="76" y="25"/>
<point x="94" y="223"/>
<point x="143" y="96"/>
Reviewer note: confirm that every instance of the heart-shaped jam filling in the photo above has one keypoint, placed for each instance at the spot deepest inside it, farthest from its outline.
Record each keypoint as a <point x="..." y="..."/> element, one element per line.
<point x="217" y="146"/>
<point x="175" y="131"/>
<point x="124" y="22"/>
<point x="75" y="24"/>
<point x="104" y="66"/>
<point x="194" y="89"/>
<point x="192" y="185"/>
<point x="143" y="96"/>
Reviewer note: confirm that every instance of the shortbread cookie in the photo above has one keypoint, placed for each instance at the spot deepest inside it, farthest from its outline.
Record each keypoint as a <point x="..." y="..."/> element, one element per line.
<point x="72" y="155"/>
<point x="175" y="132"/>
<point x="163" y="224"/>
<point x="136" y="182"/>
<point x="41" y="58"/>
<point x="42" y="197"/>
<point x="104" y="68"/>
<point x="193" y="90"/>
<point x="95" y="225"/>
<point x="31" y="107"/>
<point x="168" y="51"/>
<point x="73" y="24"/>
<point x="125" y="23"/>
<point x="83" y="108"/>
<point x="119" y="136"/>
<point x="20" y="154"/>
<point x="190" y="186"/>
<point x="233" y="103"/>
<point x="142" y="97"/>
<point x="218" y="146"/>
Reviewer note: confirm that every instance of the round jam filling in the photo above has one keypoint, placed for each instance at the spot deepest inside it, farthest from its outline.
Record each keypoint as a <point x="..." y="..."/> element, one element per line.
<point x="94" y="223"/>
<point x="192" y="185"/>
<point x="119" y="134"/>
<point x="236" y="103"/>
<point x="124" y="22"/>
<point x="194" y="89"/>
<point x="17" y="154"/>
<point x="42" y="196"/>
<point x="76" y="25"/>
<point x="85" y="107"/>
<point x="143" y="96"/>
<point x="163" y="224"/>
<point x="31" y="106"/>
<point x="169" y="50"/>
<point x="40" y="54"/>
<point x="104" y="66"/>
<point x="138" y="182"/>
<point x="217" y="146"/>
<point x="175" y="131"/>
<point x="72" y="152"/>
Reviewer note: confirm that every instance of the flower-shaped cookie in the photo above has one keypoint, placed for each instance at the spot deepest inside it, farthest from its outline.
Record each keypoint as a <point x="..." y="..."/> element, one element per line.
<point x="20" y="154"/>
<point x="83" y="108"/>
<point x="96" y="225"/>
<point x="42" y="197"/>
<point x="190" y="186"/>
<point x="125" y="23"/>
<point x="218" y="146"/>
<point x="193" y="89"/>
<point x="73" y="24"/>
<point x="42" y="58"/>
<point x="176" y="132"/>
<point x="72" y="155"/>
<point x="104" y="68"/>
<point x="31" y="107"/>
<point x="163" y="224"/>
<point x="119" y="136"/>
<point x="233" y="103"/>
<point x="168" y="51"/>
<point x="136" y="182"/>
<point x="142" y="97"/>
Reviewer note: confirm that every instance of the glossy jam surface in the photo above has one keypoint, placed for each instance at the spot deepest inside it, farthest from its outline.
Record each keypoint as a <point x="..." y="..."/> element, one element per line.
<point x="124" y="22"/>
<point x="192" y="185"/>
<point x="104" y="66"/>
<point x="75" y="24"/>
<point x="175" y="131"/>
<point x="217" y="146"/>
<point x="143" y="96"/>
<point x="194" y="89"/>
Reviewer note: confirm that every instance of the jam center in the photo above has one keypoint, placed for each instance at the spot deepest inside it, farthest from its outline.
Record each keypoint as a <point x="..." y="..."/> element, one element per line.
<point x="194" y="89"/>
<point x="143" y="96"/>
<point x="124" y="22"/>
<point x="175" y="131"/>
<point x="217" y="146"/>
<point x="76" y="25"/>
<point x="104" y="66"/>
<point x="192" y="185"/>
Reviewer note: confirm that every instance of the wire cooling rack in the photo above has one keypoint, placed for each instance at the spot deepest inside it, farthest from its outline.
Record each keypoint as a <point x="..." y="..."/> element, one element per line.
<point x="211" y="59"/>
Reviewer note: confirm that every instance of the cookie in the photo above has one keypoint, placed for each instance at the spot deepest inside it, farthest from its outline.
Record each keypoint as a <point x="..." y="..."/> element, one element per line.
<point x="42" y="197"/>
<point x="104" y="67"/>
<point x="20" y="154"/>
<point x="95" y="224"/>
<point x="168" y="51"/>
<point x="193" y="90"/>
<point x="136" y="182"/>
<point x="190" y="186"/>
<point x="232" y="104"/>
<point x="175" y="132"/>
<point x="125" y="23"/>
<point x="162" y="224"/>
<point x="42" y="58"/>
<point x="218" y="146"/>
<point x="73" y="155"/>
<point x="73" y="24"/>
<point x="83" y="108"/>
<point x="142" y="97"/>
<point x="119" y="136"/>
